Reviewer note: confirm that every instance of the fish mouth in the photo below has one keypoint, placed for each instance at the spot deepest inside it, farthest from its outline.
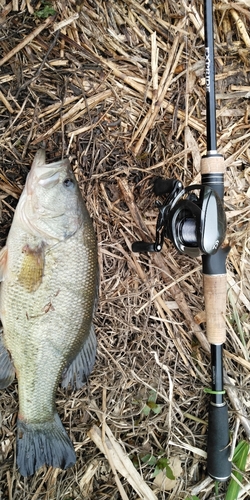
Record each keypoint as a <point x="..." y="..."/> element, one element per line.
<point x="46" y="175"/>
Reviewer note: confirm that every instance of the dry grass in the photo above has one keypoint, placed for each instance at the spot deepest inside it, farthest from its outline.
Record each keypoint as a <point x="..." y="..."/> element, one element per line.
<point x="118" y="86"/>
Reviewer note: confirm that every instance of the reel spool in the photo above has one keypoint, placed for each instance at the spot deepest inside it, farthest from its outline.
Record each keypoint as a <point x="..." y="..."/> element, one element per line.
<point x="195" y="223"/>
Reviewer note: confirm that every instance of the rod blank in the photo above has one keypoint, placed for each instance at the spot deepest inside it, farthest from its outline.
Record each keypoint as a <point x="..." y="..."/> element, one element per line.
<point x="209" y="77"/>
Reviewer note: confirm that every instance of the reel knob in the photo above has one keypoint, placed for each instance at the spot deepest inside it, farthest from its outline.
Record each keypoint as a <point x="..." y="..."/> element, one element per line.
<point x="144" y="246"/>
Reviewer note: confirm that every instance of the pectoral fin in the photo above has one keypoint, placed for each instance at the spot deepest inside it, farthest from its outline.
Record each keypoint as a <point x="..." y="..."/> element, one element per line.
<point x="3" y="262"/>
<point x="7" y="370"/>
<point x="77" y="373"/>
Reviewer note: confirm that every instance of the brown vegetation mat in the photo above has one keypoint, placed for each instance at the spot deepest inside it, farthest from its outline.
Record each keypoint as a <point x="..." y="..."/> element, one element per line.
<point x="118" y="86"/>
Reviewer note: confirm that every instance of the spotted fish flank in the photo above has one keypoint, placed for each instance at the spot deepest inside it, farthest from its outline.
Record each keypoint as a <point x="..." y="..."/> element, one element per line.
<point x="31" y="273"/>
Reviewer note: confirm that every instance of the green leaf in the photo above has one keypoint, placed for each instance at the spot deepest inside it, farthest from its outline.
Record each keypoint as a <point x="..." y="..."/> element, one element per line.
<point x="45" y="12"/>
<point x="149" y="459"/>
<point x="240" y="455"/>
<point x="154" y="407"/>
<point x="192" y="497"/>
<point x="169" y="473"/>
<point x="146" y="410"/>
<point x="163" y="464"/>
<point x="152" y="397"/>
<point x="157" y="409"/>
<point x="239" y="459"/>
<point x="156" y="471"/>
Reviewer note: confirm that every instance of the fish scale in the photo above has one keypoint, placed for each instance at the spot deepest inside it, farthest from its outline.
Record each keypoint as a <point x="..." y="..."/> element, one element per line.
<point x="49" y="271"/>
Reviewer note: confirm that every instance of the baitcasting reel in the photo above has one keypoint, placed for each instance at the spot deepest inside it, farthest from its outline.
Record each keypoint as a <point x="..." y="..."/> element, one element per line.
<point x="196" y="224"/>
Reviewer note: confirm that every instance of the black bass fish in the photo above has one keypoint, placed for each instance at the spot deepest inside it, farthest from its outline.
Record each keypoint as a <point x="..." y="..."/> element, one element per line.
<point x="48" y="270"/>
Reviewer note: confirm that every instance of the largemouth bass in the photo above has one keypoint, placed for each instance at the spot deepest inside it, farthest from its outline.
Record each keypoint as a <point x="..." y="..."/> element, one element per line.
<point x="48" y="270"/>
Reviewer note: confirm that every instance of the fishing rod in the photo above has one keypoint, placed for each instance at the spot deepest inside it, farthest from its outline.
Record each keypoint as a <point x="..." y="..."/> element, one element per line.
<point x="215" y="278"/>
<point x="196" y="224"/>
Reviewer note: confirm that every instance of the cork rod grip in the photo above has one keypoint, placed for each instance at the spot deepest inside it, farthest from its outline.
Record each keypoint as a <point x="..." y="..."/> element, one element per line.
<point x="215" y="290"/>
<point x="212" y="165"/>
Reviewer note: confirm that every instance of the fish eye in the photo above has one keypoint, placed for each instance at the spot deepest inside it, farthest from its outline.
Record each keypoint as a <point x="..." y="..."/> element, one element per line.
<point x="68" y="183"/>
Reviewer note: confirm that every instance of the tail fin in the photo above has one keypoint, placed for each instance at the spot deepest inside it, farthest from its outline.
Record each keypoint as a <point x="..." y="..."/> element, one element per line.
<point x="43" y="443"/>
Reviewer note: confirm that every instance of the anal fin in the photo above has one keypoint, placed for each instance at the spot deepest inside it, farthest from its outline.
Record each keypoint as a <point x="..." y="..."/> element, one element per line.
<point x="7" y="370"/>
<point x="78" y="371"/>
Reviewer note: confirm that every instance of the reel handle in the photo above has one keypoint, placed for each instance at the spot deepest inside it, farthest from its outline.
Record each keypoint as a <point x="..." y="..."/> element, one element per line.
<point x="164" y="186"/>
<point x="144" y="246"/>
